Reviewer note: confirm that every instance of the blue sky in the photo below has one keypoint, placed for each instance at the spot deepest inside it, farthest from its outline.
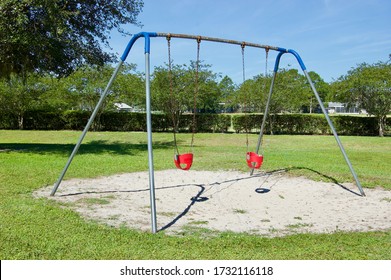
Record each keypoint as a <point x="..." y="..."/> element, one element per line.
<point x="331" y="36"/>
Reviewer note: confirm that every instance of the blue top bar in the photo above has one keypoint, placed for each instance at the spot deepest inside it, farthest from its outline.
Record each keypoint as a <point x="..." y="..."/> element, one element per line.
<point x="298" y="59"/>
<point x="147" y="36"/>
<point x="281" y="52"/>
<point x="277" y="63"/>
<point x="135" y="37"/>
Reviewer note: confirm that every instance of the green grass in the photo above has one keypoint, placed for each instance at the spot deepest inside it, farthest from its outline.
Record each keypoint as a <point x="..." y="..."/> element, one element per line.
<point x="239" y="211"/>
<point x="42" y="229"/>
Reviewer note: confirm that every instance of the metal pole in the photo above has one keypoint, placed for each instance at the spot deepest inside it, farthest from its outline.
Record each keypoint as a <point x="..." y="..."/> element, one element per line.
<point x="218" y="40"/>
<point x="150" y="149"/>
<point x="147" y="36"/>
<point x="87" y="127"/>
<point x="265" y="116"/>
<point x="334" y="132"/>
<point x="300" y="61"/>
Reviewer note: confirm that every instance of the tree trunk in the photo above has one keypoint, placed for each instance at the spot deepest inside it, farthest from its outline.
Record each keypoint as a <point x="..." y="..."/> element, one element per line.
<point x="20" y="121"/>
<point x="311" y="106"/>
<point x="382" y="124"/>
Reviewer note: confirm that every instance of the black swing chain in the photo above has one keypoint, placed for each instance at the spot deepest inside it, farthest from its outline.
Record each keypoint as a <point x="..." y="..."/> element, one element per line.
<point x="245" y="107"/>
<point x="243" y="45"/>
<point x="265" y="86"/>
<point x="172" y="105"/>
<point x="196" y="92"/>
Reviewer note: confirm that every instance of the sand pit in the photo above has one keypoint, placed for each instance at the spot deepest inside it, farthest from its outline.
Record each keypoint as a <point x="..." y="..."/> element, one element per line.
<point x="268" y="204"/>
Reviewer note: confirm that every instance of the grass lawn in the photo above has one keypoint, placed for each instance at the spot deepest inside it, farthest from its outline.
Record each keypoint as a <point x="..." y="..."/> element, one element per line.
<point x="42" y="229"/>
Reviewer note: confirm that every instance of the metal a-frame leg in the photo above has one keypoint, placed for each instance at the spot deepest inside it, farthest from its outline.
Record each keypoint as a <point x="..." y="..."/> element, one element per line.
<point x="323" y="110"/>
<point x="334" y="133"/>
<point x="87" y="127"/>
<point x="265" y="116"/>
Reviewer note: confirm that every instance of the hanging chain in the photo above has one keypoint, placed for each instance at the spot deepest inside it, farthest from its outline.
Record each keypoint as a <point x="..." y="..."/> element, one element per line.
<point x="265" y="86"/>
<point x="267" y="58"/>
<point x="243" y="45"/>
<point x="196" y="91"/>
<point x="172" y="105"/>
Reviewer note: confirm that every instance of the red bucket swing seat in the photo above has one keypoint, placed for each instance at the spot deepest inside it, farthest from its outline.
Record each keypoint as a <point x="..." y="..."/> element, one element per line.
<point x="183" y="161"/>
<point x="254" y="160"/>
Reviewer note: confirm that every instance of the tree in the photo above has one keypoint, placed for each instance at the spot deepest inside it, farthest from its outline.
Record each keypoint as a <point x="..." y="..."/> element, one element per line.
<point x="322" y="88"/>
<point x="129" y="86"/>
<point x="170" y="91"/>
<point x="288" y="92"/>
<point x="228" y="91"/>
<point x="250" y="95"/>
<point x="174" y="93"/>
<point x="83" y="88"/>
<point x="208" y="95"/>
<point x="18" y="96"/>
<point x="370" y="88"/>
<point x="57" y="36"/>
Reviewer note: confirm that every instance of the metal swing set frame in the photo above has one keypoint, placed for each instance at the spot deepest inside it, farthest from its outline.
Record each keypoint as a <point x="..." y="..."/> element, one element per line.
<point x="147" y="36"/>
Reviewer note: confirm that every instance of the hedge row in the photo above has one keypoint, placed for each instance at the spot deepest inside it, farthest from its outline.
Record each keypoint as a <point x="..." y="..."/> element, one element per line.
<point x="276" y="124"/>
<point x="308" y="124"/>
<point x="112" y="121"/>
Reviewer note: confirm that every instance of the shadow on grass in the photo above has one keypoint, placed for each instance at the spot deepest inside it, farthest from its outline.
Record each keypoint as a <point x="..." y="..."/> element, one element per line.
<point x="92" y="147"/>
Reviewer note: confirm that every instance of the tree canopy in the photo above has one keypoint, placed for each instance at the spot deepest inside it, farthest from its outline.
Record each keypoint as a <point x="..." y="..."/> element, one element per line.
<point x="369" y="87"/>
<point x="57" y="36"/>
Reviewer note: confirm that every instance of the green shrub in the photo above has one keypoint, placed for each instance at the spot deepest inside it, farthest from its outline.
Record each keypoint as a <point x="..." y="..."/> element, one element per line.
<point x="160" y="122"/>
<point x="222" y="124"/>
<point x="75" y="120"/>
<point x="129" y="121"/>
<point x="307" y="124"/>
<point x="355" y="125"/>
<point x="43" y="120"/>
<point x="8" y="121"/>
<point x="212" y="123"/>
<point x="299" y="124"/>
<point x="246" y="122"/>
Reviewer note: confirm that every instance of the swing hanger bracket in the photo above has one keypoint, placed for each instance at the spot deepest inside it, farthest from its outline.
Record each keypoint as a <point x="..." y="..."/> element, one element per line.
<point x="243" y="45"/>
<point x="168" y="36"/>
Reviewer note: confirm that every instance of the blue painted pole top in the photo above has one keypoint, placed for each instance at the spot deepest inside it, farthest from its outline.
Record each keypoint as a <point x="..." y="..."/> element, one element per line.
<point x="147" y="47"/>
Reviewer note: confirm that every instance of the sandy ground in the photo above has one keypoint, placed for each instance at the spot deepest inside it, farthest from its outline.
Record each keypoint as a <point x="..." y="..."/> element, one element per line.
<point x="271" y="204"/>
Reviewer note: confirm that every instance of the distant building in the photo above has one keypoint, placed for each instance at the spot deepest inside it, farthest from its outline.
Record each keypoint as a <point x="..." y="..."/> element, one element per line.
<point x="123" y="107"/>
<point x="342" y="108"/>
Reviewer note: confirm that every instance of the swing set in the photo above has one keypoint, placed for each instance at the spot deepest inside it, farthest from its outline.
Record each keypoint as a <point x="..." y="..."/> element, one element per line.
<point x="184" y="161"/>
